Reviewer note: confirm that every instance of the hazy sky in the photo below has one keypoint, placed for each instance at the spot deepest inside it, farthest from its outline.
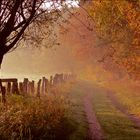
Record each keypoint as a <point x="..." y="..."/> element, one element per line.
<point x="28" y="62"/>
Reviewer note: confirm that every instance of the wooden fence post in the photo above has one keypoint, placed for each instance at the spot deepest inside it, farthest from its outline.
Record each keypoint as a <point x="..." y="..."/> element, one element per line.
<point x="46" y="85"/>
<point x="43" y="85"/>
<point x="3" y="92"/>
<point x="15" y="88"/>
<point x="56" y="79"/>
<point x="25" y="86"/>
<point x="3" y="95"/>
<point x="38" y="88"/>
<point x="21" y="91"/>
<point x="8" y="88"/>
<point x="51" y="81"/>
<point x="33" y="87"/>
<point x="61" y="78"/>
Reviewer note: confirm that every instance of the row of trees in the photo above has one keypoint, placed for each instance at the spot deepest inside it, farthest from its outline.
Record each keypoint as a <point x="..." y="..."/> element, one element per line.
<point x="117" y="25"/>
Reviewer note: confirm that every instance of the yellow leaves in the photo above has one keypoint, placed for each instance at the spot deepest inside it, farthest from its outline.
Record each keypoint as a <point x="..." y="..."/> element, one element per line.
<point x="135" y="41"/>
<point x="133" y="18"/>
<point x="119" y="21"/>
<point x="138" y="59"/>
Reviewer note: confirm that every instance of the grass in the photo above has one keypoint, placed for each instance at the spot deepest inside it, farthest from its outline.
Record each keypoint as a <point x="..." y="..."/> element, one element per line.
<point x="31" y="118"/>
<point x="78" y="115"/>
<point x="130" y="99"/>
<point x="61" y="115"/>
<point x="127" y="92"/>
<point x="116" y="126"/>
<point x="58" y="115"/>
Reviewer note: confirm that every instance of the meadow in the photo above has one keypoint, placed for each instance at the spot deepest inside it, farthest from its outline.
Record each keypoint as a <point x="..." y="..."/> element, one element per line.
<point x="61" y="114"/>
<point x="29" y="117"/>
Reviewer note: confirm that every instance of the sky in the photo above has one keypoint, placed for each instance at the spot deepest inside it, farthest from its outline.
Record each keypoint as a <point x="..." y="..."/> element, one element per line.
<point x="35" y="63"/>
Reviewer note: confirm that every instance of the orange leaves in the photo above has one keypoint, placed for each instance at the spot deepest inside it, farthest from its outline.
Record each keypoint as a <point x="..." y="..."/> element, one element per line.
<point x="118" y="22"/>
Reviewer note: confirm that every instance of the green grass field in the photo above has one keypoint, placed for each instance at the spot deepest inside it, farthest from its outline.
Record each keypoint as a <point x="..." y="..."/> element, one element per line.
<point x="78" y="115"/>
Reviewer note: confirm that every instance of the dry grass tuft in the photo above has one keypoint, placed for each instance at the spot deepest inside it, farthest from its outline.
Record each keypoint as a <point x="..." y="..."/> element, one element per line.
<point x="32" y="118"/>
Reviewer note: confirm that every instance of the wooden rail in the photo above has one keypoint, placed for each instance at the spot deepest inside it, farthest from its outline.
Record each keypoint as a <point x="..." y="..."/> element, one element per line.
<point x="9" y="80"/>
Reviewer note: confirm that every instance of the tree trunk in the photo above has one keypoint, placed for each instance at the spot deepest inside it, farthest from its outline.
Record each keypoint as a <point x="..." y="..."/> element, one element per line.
<point x="1" y="58"/>
<point x="2" y="88"/>
<point x="3" y="91"/>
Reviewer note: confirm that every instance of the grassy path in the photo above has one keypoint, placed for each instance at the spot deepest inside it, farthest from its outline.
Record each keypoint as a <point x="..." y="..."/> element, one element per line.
<point x="135" y="119"/>
<point x="95" y="131"/>
<point x="78" y="116"/>
<point x="115" y="124"/>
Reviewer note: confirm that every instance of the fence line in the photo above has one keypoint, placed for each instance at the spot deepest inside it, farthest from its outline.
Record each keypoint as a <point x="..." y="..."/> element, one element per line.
<point x="42" y="87"/>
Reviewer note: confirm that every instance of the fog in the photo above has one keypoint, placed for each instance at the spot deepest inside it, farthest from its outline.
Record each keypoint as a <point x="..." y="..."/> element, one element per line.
<point x="34" y="63"/>
<point x="77" y="52"/>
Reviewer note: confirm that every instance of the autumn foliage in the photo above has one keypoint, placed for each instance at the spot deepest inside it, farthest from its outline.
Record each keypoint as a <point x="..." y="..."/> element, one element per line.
<point x="117" y="25"/>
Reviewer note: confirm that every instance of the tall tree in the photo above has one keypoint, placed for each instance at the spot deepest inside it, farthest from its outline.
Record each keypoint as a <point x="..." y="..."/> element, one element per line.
<point x="117" y="25"/>
<point x="16" y="16"/>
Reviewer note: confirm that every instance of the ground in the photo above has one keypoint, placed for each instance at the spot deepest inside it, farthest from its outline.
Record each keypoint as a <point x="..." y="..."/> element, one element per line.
<point x="100" y="115"/>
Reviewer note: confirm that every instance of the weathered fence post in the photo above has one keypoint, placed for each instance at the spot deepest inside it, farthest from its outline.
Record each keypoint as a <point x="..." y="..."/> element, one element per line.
<point x="3" y="95"/>
<point x="38" y="88"/>
<point x="25" y="86"/>
<point x="21" y="88"/>
<point x="51" y="81"/>
<point x="65" y="77"/>
<point x="9" y="88"/>
<point x="56" y="79"/>
<point x="15" y="88"/>
<point x="33" y="87"/>
<point x="61" y="78"/>
<point x="3" y="92"/>
<point x="43" y="85"/>
<point x="29" y="87"/>
<point x="46" y="85"/>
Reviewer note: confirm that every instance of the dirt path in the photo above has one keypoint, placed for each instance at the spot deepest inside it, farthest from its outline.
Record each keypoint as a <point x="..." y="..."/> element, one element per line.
<point x="95" y="131"/>
<point x="135" y="119"/>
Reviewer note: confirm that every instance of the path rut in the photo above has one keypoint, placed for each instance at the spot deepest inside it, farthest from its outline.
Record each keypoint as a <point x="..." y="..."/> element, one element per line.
<point x="95" y="131"/>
